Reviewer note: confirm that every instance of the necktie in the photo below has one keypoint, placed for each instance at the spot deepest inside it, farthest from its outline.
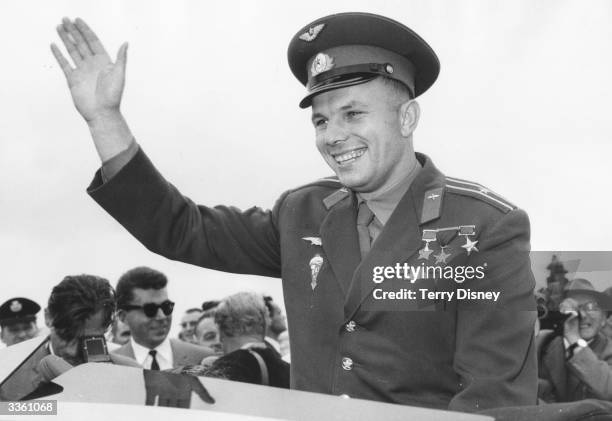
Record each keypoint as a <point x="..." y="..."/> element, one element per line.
<point x="154" y="364"/>
<point x="364" y="218"/>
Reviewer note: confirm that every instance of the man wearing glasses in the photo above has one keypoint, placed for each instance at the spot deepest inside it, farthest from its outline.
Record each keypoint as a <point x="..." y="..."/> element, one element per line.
<point x="578" y="365"/>
<point x="143" y="304"/>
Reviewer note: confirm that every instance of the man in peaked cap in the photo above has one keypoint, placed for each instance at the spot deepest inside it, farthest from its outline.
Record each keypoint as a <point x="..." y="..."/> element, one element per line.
<point x="330" y="241"/>
<point x="18" y="320"/>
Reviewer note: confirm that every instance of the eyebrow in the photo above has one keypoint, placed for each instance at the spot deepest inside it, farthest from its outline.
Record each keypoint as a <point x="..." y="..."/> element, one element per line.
<point x="351" y="104"/>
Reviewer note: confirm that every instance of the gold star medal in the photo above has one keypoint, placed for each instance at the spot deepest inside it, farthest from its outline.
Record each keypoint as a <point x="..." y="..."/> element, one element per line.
<point x="467" y="231"/>
<point x="428" y="237"/>
<point x="442" y="256"/>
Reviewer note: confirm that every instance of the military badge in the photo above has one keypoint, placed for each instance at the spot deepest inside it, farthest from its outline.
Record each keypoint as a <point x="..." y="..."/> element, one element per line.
<point x="321" y="63"/>
<point x="314" y="241"/>
<point x="428" y="237"/>
<point x="16" y="306"/>
<point x="312" y="33"/>
<point x="467" y="230"/>
<point x="315" y="266"/>
<point x="442" y="256"/>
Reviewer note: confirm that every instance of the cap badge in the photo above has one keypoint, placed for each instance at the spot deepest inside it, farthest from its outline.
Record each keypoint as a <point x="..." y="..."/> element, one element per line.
<point x="321" y="63"/>
<point x="312" y="33"/>
<point x="16" y="306"/>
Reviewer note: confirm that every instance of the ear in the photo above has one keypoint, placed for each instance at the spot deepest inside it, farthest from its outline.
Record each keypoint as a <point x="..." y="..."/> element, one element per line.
<point x="48" y="319"/>
<point x="409" y="113"/>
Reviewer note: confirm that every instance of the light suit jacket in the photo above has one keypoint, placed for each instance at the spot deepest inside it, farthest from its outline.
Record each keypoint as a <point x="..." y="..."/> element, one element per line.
<point x="183" y="353"/>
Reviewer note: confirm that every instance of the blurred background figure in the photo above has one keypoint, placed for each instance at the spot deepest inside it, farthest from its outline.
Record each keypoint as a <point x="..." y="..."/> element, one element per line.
<point x="18" y="320"/>
<point x="607" y="329"/>
<point x="120" y="332"/>
<point x="242" y="319"/>
<point x="79" y="311"/>
<point x="276" y="324"/>
<point x="188" y="325"/>
<point x="576" y="363"/>
<point x="207" y="332"/>
<point x="143" y="304"/>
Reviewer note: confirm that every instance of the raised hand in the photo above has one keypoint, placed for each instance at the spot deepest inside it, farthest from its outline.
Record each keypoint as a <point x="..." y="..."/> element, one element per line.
<point x="95" y="82"/>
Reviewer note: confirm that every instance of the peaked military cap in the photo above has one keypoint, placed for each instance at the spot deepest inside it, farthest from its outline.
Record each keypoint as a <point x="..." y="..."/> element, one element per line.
<point x="347" y="49"/>
<point x="18" y="309"/>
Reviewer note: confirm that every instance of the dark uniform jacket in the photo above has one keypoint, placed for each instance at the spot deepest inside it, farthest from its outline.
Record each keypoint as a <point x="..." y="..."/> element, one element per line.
<point x="242" y="366"/>
<point x="586" y="375"/>
<point x="442" y="354"/>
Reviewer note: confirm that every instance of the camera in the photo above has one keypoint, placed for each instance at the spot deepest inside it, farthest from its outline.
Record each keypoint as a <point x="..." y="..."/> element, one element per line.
<point x="94" y="349"/>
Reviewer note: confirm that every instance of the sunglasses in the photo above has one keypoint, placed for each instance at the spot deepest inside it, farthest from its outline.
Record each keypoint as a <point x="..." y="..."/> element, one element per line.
<point x="150" y="309"/>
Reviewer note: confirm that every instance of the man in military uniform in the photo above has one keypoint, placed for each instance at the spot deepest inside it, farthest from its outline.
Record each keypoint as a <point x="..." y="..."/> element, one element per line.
<point x="18" y="320"/>
<point x="388" y="209"/>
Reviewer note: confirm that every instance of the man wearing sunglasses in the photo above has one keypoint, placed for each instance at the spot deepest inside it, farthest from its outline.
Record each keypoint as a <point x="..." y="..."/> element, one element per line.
<point x="143" y="304"/>
<point x="578" y="365"/>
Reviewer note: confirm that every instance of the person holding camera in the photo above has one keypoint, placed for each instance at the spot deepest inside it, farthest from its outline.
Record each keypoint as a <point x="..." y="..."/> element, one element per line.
<point x="577" y="364"/>
<point x="79" y="311"/>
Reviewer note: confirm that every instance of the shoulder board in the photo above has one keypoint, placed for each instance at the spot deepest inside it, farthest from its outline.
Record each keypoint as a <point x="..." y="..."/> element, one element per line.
<point x="332" y="182"/>
<point x="478" y="191"/>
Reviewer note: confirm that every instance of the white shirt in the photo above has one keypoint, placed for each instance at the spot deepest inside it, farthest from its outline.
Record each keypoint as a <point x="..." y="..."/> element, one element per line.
<point x="164" y="355"/>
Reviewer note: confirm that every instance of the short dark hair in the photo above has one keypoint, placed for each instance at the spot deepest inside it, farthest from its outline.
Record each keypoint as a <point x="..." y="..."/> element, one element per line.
<point x="268" y="302"/>
<point x="193" y="310"/>
<point x="140" y="277"/>
<point x="210" y="305"/>
<point x="398" y="87"/>
<point x="75" y="299"/>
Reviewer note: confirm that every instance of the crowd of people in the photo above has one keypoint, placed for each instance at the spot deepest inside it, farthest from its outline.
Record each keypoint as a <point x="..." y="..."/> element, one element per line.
<point x="87" y="320"/>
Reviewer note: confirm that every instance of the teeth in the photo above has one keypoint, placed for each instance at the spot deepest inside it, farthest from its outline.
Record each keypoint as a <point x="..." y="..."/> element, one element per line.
<point x="349" y="155"/>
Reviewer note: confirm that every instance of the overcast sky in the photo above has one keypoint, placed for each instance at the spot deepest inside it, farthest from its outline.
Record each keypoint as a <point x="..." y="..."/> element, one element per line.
<point x="522" y="105"/>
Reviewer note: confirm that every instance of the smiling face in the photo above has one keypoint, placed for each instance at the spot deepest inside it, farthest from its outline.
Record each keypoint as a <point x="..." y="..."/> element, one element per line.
<point x="364" y="133"/>
<point x="147" y="331"/>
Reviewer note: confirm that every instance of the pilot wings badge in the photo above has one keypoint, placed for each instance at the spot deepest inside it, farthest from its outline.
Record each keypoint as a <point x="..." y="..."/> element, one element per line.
<point x="315" y="267"/>
<point x="314" y="241"/>
<point x="312" y="33"/>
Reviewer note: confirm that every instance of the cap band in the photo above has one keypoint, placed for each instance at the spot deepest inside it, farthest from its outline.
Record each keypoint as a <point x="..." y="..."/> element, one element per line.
<point x="349" y="65"/>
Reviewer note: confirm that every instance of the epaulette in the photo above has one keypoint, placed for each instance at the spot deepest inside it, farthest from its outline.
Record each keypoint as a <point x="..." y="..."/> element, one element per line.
<point x="478" y="191"/>
<point x="332" y="182"/>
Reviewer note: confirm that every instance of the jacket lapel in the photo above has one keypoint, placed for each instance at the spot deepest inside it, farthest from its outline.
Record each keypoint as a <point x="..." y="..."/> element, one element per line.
<point x="340" y="240"/>
<point x="401" y="237"/>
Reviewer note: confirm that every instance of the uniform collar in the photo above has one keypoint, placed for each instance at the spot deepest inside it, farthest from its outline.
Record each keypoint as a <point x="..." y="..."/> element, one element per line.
<point x="426" y="188"/>
<point x="384" y="203"/>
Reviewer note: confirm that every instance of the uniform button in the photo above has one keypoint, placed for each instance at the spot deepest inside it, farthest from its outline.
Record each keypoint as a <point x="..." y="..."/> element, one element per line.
<point x="350" y="326"/>
<point x="347" y="363"/>
<point x="344" y="396"/>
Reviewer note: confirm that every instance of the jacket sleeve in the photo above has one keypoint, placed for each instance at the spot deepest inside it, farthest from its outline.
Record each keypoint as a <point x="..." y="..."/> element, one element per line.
<point x="495" y="346"/>
<point x="596" y="373"/>
<point x="167" y="223"/>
